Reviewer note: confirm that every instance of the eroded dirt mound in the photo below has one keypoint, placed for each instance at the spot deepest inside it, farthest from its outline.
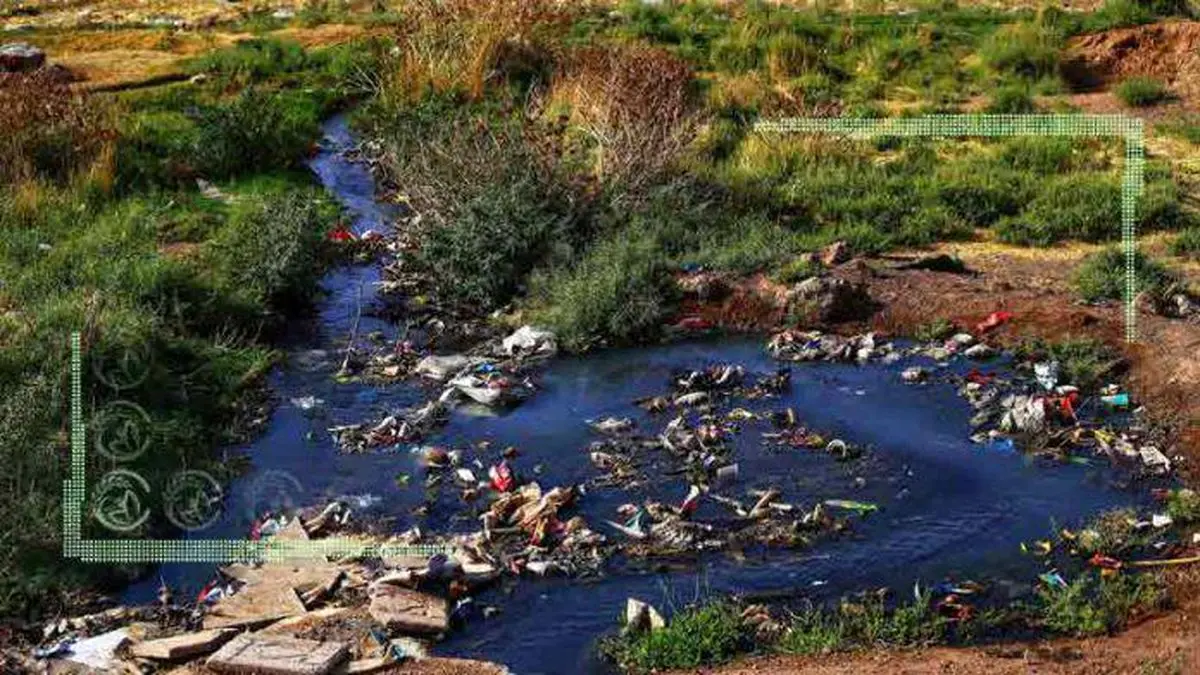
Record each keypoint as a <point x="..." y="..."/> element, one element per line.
<point x="1166" y="51"/>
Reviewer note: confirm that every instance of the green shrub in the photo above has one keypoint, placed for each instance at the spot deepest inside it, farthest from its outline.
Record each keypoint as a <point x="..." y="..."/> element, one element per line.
<point x="1142" y="91"/>
<point x="695" y="637"/>
<point x="256" y="131"/>
<point x="1187" y="244"/>
<point x="270" y="249"/>
<point x="620" y="292"/>
<point x="153" y="150"/>
<point x="798" y="270"/>
<point x="1102" y="276"/>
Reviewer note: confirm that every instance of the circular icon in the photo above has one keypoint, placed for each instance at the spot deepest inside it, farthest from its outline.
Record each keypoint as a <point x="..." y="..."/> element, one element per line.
<point x="193" y="500"/>
<point x="274" y="491"/>
<point x="118" y="501"/>
<point x="123" y="367"/>
<point x="121" y="431"/>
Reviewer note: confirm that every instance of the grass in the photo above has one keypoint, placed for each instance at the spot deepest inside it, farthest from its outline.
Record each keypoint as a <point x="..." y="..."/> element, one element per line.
<point x="1102" y="276"/>
<point x="698" y="636"/>
<point x="1186" y="127"/>
<point x="710" y="634"/>
<point x="112" y="239"/>
<point x="865" y="622"/>
<point x="1187" y="243"/>
<point x="1140" y="92"/>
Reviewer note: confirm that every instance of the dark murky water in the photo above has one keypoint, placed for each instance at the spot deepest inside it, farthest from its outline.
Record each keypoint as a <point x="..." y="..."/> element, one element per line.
<point x="948" y="508"/>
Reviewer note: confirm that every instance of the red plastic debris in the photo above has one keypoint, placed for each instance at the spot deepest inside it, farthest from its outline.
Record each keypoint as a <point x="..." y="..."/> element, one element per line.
<point x="954" y="608"/>
<point x="1105" y="562"/>
<point x="501" y="475"/>
<point x="208" y="588"/>
<point x="340" y="233"/>
<point x="994" y="320"/>
<point x="1068" y="404"/>
<point x="692" y="502"/>
<point x="694" y="323"/>
<point x="978" y="377"/>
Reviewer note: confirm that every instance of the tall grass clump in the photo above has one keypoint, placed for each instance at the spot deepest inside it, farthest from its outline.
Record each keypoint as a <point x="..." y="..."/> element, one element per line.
<point x="1142" y="91"/>
<point x="1187" y="243"/>
<point x="865" y="623"/>
<point x="1028" y="50"/>
<point x="1082" y="206"/>
<point x="463" y="46"/>
<point x="1102" y="276"/>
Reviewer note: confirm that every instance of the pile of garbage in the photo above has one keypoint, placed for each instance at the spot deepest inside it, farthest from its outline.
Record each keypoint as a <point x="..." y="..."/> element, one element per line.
<point x="497" y="376"/>
<point x="707" y="413"/>
<point x="1040" y="413"/>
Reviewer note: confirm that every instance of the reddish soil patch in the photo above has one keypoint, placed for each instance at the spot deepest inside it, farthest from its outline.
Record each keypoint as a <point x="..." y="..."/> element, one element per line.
<point x="1167" y="51"/>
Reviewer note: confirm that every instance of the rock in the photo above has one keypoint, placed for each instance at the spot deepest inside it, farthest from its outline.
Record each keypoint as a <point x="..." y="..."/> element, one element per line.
<point x="20" y="57"/>
<point x="914" y="374"/>
<point x="979" y="351"/>
<point x="832" y="299"/>
<point x="641" y="616"/>
<point x="186" y="646"/>
<point x="704" y="286"/>
<point x="528" y="340"/>
<point x="477" y="390"/>
<point x="835" y="254"/>
<point x="407" y="610"/>
<point x="99" y="652"/>
<point x="277" y="655"/>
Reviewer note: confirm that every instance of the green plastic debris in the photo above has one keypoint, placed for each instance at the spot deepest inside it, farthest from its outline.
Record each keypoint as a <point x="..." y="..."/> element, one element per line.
<point x="850" y="504"/>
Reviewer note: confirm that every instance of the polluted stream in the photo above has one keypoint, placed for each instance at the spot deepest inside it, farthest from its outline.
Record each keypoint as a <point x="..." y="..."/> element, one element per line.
<point x="948" y="508"/>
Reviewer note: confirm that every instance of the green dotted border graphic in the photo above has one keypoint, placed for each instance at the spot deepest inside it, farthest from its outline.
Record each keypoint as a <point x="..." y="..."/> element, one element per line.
<point x="224" y="550"/>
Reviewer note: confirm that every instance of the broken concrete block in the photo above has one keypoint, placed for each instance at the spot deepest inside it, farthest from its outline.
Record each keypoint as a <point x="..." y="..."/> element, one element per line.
<point x="277" y="655"/>
<point x="184" y="646"/>
<point x="294" y="624"/>
<point x="407" y="610"/>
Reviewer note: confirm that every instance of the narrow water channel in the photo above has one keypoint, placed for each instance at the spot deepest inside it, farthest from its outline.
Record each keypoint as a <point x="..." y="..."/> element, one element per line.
<point x="948" y="508"/>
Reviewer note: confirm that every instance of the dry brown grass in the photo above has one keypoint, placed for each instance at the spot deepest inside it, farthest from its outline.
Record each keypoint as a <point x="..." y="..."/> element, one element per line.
<point x="632" y="103"/>
<point x="52" y="133"/>
<point x="464" y="45"/>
